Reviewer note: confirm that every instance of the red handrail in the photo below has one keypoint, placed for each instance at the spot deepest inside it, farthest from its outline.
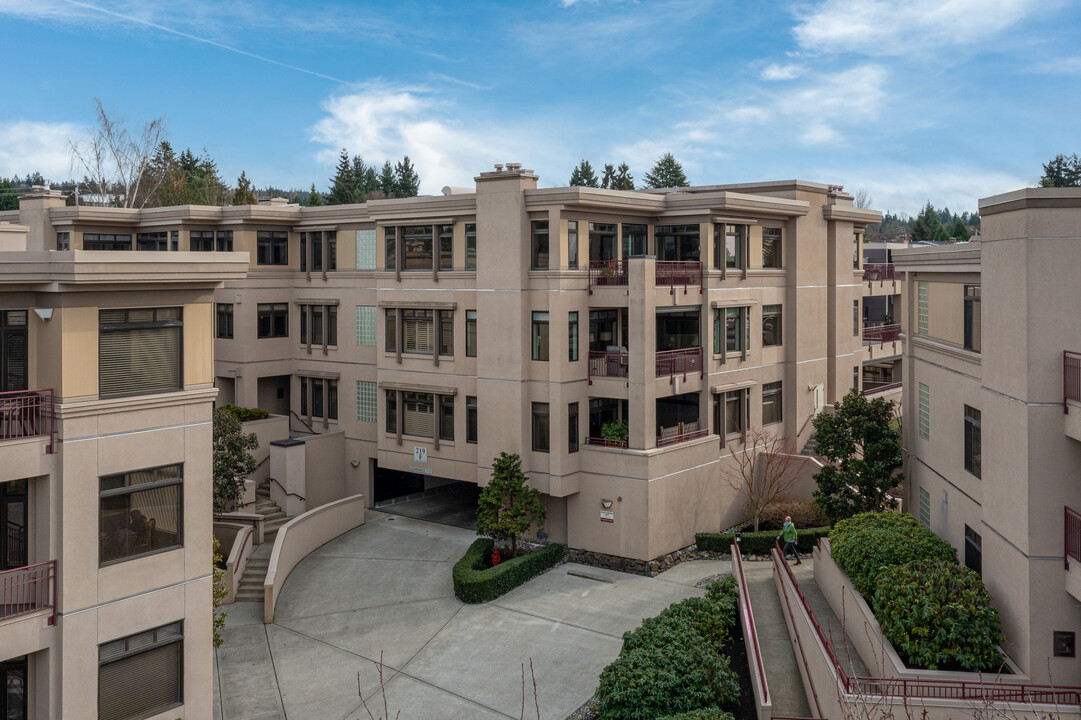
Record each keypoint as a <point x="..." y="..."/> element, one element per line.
<point x="608" y="364"/>
<point x="1071" y="378"/>
<point x="879" y="334"/>
<point x="878" y="271"/>
<point x="682" y="361"/>
<point x="748" y="623"/>
<point x="682" y="437"/>
<point x="27" y="590"/>
<point x="882" y="389"/>
<point x="27" y="414"/>
<point x="670" y="273"/>
<point x="288" y="494"/>
<point x="605" y="442"/>
<point x="607" y="272"/>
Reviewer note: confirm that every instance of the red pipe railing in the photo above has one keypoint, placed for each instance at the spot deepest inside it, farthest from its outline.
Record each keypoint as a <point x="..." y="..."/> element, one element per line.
<point x="671" y="273"/>
<point x="27" y="414"/>
<point x="1071" y="378"/>
<point x="683" y="361"/>
<point x="882" y="389"/>
<point x="879" y="334"/>
<point x="605" y="442"/>
<point x="607" y="364"/>
<point x="749" y="628"/>
<point x="607" y="272"/>
<point x="1072" y="547"/>
<point x="877" y="272"/>
<point x="681" y="437"/>
<point x="27" y="590"/>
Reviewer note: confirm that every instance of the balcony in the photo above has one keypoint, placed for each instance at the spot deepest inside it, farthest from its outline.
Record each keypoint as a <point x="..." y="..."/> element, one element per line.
<point x="28" y="590"/>
<point x="681" y="433"/>
<point x="27" y="414"/>
<point x="607" y="364"/>
<point x="878" y="272"/>
<point x="1072" y="552"/>
<point x="603" y="273"/>
<point x="605" y="442"/>
<point x="881" y="334"/>
<point x="680" y="362"/>
<point x="1071" y="393"/>
<point x="673" y="273"/>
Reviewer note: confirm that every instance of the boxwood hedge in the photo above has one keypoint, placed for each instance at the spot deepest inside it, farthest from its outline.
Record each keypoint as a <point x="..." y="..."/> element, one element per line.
<point x="863" y="545"/>
<point x="477" y="581"/>
<point x="758" y="543"/>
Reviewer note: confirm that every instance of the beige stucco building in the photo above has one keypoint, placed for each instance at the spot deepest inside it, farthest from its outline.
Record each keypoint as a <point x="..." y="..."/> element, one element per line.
<point x="106" y="393"/>
<point x="992" y="446"/>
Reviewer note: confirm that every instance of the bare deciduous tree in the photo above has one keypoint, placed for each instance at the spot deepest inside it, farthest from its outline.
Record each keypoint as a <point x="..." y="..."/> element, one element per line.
<point x="764" y="471"/>
<point x="117" y="163"/>
<point x="862" y="199"/>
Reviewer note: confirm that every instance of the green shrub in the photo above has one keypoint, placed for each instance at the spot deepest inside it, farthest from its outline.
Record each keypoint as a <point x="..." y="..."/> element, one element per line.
<point x="758" y="543"/>
<point x="477" y="581"/>
<point x="246" y="414"/>
<point x="865" y="544"/>
<point x="804" y="513"/>
<point x="701" y="715"/>
<point x="712" y="617"/>
<point x="939" y="616"/>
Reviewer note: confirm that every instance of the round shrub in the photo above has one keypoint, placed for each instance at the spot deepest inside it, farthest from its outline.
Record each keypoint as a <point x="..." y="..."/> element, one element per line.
<point x="865" y="544"/>
<point x="939" y="616"/>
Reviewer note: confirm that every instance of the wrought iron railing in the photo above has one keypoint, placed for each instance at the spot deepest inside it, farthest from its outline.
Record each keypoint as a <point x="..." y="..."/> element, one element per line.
<point x="27" y="414"/>
<point x="877" y="272"/>
<point x="607" y="364"/>
<point x="673" y="273"/>
<point x="607" y="272"/>
<point x="683" y="361"/>
<point x="606" y="442"/>
<point x="27" y="590"/>
<point x="881" y="334"/>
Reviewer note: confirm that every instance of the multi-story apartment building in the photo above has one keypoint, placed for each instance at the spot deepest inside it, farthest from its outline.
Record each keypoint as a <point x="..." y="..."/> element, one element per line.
<point x="433" y="333"/>
<point x="989" y="464"/>
<point x="106" y="393"/>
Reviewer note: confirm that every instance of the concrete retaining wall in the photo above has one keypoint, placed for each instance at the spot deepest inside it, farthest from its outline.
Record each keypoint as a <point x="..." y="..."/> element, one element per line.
<point x="236" y="543"/>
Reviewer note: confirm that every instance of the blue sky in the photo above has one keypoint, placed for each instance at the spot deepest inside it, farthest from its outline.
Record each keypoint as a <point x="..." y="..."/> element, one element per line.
<point x="946" y="100"/>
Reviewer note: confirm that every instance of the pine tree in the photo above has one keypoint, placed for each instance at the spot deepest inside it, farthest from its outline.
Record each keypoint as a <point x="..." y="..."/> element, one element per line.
<point x="388" y="184"/>
<point x="370" y="183"/>
<point x="927" y="224"/>
<point x="9" y="197"/>
<point x="508" y="506"/>
<point x="243" y="195"/>
<point x="359" y="180"/>
<point x="609" y="178"/>
<point x="583" y="176"/>
<point x="1062" y="171"/>
<point x="666" y="173"/>
<point x="408" y="182"/>
<point x="623" y="180"/>
<point x="959" y="231"/>
<point x="341" y="185"/>
<point x="314" y="199"/>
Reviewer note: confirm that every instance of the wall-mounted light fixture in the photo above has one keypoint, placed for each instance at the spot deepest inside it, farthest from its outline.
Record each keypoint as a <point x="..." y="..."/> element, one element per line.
<point x="43" y="313"/>
<point x="606" y="504"/>
<point x="355" y="463"/>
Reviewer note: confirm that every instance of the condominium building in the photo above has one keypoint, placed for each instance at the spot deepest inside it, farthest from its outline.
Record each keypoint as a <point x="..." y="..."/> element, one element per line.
<point x="432" y="333"/>
<point x="106" y="393"/>
<point x="992" y="439"/>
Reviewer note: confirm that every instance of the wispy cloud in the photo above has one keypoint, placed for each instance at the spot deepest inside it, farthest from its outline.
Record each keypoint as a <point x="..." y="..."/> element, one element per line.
<point x="773" y="71"/>
<point x="906" y="187"/>
<point x="459" y="81"/>
<point x="27" y="147"/>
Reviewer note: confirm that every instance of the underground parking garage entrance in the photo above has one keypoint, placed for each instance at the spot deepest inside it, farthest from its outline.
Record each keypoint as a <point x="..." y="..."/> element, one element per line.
<point x="425" y="497"/>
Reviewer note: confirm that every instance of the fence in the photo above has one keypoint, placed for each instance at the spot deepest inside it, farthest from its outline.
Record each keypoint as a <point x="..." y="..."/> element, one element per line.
<point x="876" y="272"/>
<point x="605" y="442"/>
<point x="607" y="272"/>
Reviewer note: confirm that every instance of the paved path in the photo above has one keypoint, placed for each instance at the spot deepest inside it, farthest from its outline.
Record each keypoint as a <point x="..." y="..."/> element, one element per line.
<point x="385" y="588"/>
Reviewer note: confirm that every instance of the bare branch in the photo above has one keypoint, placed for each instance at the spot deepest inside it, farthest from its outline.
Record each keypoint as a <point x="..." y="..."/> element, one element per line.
<point x="765" y="470"/>
<point x="116" y="163"/>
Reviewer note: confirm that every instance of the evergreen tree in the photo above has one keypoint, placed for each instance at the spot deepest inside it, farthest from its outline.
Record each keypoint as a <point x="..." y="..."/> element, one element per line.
<point x="362" y="180"/>
<point x="233" y="460"/>
<point x="583" y="176"/>
<point x="1062" y="171"/>
<point x="623" y="179"/>
<point x="926" y="225"/>
<point x="667" y="173"/>
<point x="609" y="178"/>
<point x="370" y="184"/>
<point x="314" y="199"/>
<point x="407" y="180"/>
<point x="388" y="184"/>
<point x="941" y="235"/>
<point x="342" y="184"/>
<point x="167" y="178"/>
<point x="9" y="195"/>
<point x="960" y="232"/>
<point x="508" y="506"/>
<point x="244" y="194"/>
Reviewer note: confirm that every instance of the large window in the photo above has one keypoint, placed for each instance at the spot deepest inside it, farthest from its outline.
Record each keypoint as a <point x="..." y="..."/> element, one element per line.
<point x="771" y="248"/>
<point x="324" y="324"/>
<point x="272" y="247"/>
<point x="97" y="241"/>
<point x="572" y="336"/>
<point x="572" y="427"/>
<point x="771" y="326"/>
<point x="973" y="328"/>
<point x="602" y="241"/>
<point x="772" y="407"/>
<point x="635" y="239"/>
<point x="319" y="398"/>
<point x="470" y="333"/>
<point x="728" y="245"/>
<point x="973" y="444"/>
<point x="321" y="248"/>
<point x="225" y="241"/>
<point x="141" y="512"/>
<point x="142" y="674"/>
<point x="540" y="336"/>
<point x="419" y="331"/>
<point x="471" y="246"/>
<point x="201" y="240"/>
<point x="416" y="247"/>
<point x="152" y="241"/>
<point x="729" y="327"/>
<point x="139" y="351"/>
<point x="541" y="427"/>
<point x="419" y="415"/>
<point x="224" y="323"/>
<point x="539" y="245"/>
<point x="572" y="243"/>
<point x="470" y="419"/>
<point x="678" y="242"/>
<point x="272" y="320"/>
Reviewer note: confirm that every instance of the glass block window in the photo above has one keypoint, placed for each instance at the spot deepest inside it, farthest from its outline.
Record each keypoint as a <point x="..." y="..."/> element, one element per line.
<point x="365" y="249"/>
<point x="925" y="508"/>
<point x="921" y="308"/>
<point x="925" y="412"/>
<point x="366" y="325"/>
<point x="366" y="401"/>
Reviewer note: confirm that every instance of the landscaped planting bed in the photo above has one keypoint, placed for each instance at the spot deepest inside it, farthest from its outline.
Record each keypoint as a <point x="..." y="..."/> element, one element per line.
<point x="758" y="543"/>
<point x="476" y="580"/>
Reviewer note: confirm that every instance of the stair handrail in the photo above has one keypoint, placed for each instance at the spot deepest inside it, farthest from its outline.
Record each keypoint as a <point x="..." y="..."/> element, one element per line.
<point x="290" y="494"/>
<point x="303" y="422"/>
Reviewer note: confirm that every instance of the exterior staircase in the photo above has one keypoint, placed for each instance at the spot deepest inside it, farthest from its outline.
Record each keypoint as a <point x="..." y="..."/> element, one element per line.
<point x="273" y="516"/>
<point x="251" y="583"/>
<point x="810" y="447"/>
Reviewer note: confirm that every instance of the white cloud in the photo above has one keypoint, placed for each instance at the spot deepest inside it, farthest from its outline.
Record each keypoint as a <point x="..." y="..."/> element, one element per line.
<point x="773" y="71"/>
<point x="901" y="27"/>
<point x="819" y="133"/>
<point x="906" y="188"/>
<point x="27" y="147"/>
<point x="856" y="93"/>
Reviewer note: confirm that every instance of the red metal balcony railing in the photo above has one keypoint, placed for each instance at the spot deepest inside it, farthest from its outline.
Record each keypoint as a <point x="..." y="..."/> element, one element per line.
<point x="878" y="272"/>
<point x="27" y="414"/>
<point x="880" y="334"/>
<point x="607" y="364"/>
<point x="1071" y="378"/>
<point x="880" y="389"/>
<point x="607" y="272"/>
<point x="672" y="273"/>
<point x="605" y="442"/>
<point x="674" y="362"/>
<point x="684" y="432"/>
<point x="1073" y="537"/>
<point x="27" y="590"/>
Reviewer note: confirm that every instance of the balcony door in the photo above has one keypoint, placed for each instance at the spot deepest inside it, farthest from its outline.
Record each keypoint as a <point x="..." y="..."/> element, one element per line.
<point x="13" y="350"/>
<point x="13" y="520"/>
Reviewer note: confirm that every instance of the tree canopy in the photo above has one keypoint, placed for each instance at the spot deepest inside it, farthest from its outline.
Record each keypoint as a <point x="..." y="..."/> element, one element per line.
<point x="507" y="505"/>
<point x="244" y="193"/>
<point x="1062" y="171"/>
<point x="583" y="176"/>
<point x="666" y="173"/>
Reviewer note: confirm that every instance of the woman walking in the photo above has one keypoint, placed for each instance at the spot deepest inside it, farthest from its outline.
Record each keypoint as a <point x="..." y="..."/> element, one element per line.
<point x="788" y="532"/>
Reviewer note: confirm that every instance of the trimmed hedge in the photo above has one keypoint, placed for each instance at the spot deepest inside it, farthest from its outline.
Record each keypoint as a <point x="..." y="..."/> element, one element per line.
<point x="939" y="616"/>
<point x="674" y="662"/>
<point x="758" y="543"/>
<point x="477" y="581"/>
<point x="865" y="544"/>
<point x="701" y="715"/>
<point x="244" y="414"/>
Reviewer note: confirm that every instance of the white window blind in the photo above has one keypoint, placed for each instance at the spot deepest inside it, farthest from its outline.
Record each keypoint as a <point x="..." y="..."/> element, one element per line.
<point x="139" y="351"/>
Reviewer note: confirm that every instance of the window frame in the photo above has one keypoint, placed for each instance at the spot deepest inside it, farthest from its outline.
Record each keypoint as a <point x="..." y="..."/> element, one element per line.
<point x="572" y="244"/>
<point x="114" y="328"/>
<point x="471" y="333"/>
<point x="201" y="241"/>
<point x="272" y="247"/>
<point x="542" y="428"/>
<point x="470" y="246"/>
<point x="174" y="638"/>
<point x="973" y="320"/>
<point x="572" y="336"/>
<point x="539" y="245"/>
<point x="774" y="257"/>
<point x="277" y="317"/>
<point x="777" y="315"/>
<point x="471" y="427"/>
<point x="540" y="336"/>
<point x="572" y="427"/>
<point x="128" y="490"/>
<point x="223" y="321"/>
<point x="973" y="437"/>
<point x="773" y="396"/>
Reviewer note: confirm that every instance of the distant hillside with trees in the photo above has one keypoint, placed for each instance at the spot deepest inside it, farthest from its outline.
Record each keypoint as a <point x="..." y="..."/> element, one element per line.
<point x="931" y="225"/>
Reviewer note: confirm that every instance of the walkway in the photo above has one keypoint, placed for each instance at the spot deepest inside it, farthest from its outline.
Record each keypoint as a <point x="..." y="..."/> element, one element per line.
<point x="385" y="588"/>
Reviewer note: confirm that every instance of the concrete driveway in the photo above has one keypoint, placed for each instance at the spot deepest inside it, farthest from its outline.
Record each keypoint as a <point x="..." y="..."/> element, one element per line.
<point x="385" y="589"/>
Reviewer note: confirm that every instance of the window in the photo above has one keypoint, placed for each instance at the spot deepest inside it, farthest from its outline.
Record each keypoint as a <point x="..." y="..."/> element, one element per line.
<point x="142" y="674"/>
<point x="772" y="407"/>
<point x="921" y="308"/>
<point x="470" y="333"/>
<point x="323" y="252"/>
<point x="419" y="415"/>
<point x="366" y="399"/>
<point x="63" y="241"/>
<point x="417" y="247"/>
<point x="272" y="320"/>
<point x="201" y="240"/>
<point x="418" y="331"/>
<point x="14" y="365"/>
<point x="540" y="427"/>
<point x="856" y="377"/>
<point x="366" y="325"/>
<point x="390" y="331"/>
<point x="855" y="317"/>
<point x="771" y="326"/>
<point x="732" y="332"/>
<point x="973" y="445"/>
<point x="572" y="427"/>
<point x="366" y="250"/>
<point x="332" y="250"/>
<point x="925" y="411"/>
<point x="224" y="328"/>
<point x="272" y="247"/>
<point x="732" y="250"/>
<point x="771" y="248"/>
<point x="572" y="243"/>
<point x="635" y="239"/>
<point x="539" y="254"/>
<point x="174" y="240"/>
<point x="471" y="246"/>
<point x="304" y="251"/>
<point x="446" y="417"/>
<point x="972" y="318"/>
<point x="324" y="322"/>
<point x="152" y="241"/>
<point x="96" y="241"/>
<point x="139" y="351"/>
<point x="540" y="336"/>
<point x="320" y="396"/>
<point x="973" y="550"/>
<point x="392" y="411"/>
<point x="446" y="247"/>
<point x="925" y="508"/>
<point x="225" y="241"/>
<point x="141" y="512"/>
<point x="391" y="256"/>
<point x="856" y="251"/>
<point x="572" y="336"/>
<point x="734" y="412"/>
<point x="602" y="241"/>
<point x="446" y="332"/>
<point x="470" y="419"/>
